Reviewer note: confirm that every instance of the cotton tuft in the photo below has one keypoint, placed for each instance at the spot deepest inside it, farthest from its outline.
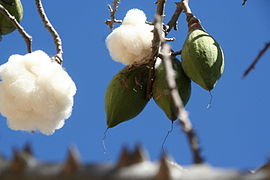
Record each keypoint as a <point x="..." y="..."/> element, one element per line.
<point x="131" y="42"/>
<point x="36" y="93"/>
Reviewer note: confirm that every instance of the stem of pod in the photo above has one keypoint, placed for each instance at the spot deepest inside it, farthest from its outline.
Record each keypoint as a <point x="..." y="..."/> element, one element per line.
<point x="27" y="38"/>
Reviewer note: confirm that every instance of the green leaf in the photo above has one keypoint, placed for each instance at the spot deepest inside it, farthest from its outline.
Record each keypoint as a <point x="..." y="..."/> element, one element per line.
<point x="126" y="95"/>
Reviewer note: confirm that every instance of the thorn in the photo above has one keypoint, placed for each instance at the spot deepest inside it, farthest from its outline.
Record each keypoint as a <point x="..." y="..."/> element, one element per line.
<point x="27" y="149"/>
<point x="125" y="158"/>
<point x="178" y="3"/>
<point x="18" y="163"/>
<point x="128" y="158"/>
<point x="138" y="155"/>
<point x="176" y="53"/>
<point x="72" y="163"/>
<point x="163" y="172"/>
<point x="264" y="167"/>
<point x="170" y="39"/>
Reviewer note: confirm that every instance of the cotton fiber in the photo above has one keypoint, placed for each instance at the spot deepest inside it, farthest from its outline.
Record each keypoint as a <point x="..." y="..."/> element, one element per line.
<point x="131" y="42"/>
<point x="36" y="93"/>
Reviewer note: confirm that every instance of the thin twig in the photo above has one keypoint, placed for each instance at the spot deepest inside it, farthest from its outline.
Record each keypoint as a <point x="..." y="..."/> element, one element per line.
<point x="185" y="6"/>
<point x="149" y="23"/>
<point x="27" y="38"/>
<point x="113" y="9"/>
<point x="244" y="2"/>
<point x="160" y="8"/>
<point x="57" y="40"/>
<point x="175" y="53"/>
<point x="160" y="12"/>
<point x="173" y="21"/>
<point x="155" y="49"/>
<point x="253" y="64"/>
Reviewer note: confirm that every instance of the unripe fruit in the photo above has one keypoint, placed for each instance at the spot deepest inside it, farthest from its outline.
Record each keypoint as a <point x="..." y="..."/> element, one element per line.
<point x="15" y="8"/>
<point x="126" y="95"/>
<point x="202" y="58"/>
<point x="161" y="93"/>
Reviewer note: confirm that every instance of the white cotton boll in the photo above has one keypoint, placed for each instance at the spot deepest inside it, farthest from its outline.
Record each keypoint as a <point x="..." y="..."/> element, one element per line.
<point x="131" y="42"/>
<point x="35" y="93"/>
<point x="134" y="17"/>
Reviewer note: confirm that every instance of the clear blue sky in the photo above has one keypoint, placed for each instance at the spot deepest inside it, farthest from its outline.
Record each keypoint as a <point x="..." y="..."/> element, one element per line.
<point x="233" y="133"/>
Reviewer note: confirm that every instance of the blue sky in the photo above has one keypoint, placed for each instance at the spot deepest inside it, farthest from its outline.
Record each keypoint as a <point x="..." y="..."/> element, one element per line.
<point x="233" y="133"/>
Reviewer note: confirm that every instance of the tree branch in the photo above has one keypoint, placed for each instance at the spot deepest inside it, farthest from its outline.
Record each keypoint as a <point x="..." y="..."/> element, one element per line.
<point x="185" y="6"/>
<point x="173" y="21"/>
<point x="131" y="165"/>
<point x="160" y="8"/>
<point x="155" y="48"/>
<point x="57" y="40"/>
<point x="27" y="38"/>
<point x="253" y="64"/>
<point x="182" y="114"/>
<point x="180" y="7"/>
<point x="175" y="53"/>
<point x="113" y="10"/>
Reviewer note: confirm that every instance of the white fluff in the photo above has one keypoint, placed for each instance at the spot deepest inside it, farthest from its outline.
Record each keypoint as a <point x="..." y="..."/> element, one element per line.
<point x="131" y="42"/>
<point x="36" y="93"/>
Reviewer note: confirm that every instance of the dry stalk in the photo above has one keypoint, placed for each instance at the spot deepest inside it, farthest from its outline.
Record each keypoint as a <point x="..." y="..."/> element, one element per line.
<point x="113" y="9"/>
<point x="57" y="40"/>
<point x="257" y="59"/>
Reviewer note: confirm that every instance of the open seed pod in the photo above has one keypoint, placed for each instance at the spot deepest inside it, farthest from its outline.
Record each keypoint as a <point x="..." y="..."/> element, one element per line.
<point x="15" y="8"/>
<point x="126" y="95"/>
<point x="202" y="56"/>
<point x="161" y="93"/>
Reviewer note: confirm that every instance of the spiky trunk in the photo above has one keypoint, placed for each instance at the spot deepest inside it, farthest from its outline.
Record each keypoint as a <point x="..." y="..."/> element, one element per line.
<point x="131" y="165"/>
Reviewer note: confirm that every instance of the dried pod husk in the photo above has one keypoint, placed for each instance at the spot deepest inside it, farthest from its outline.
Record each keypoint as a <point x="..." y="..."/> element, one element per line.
<point x="126" y="95"/>
<point x="161" y="92"/>
<point x="202" y="57"/>
<point x="15" y="8"/>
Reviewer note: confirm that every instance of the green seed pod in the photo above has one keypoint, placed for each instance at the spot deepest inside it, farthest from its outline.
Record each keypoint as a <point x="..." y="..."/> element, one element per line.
<point x="15" y="8"/>
<point x="161" y="92"/>
<point x="202" y="58"/>
<point x="126" y="95"/>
